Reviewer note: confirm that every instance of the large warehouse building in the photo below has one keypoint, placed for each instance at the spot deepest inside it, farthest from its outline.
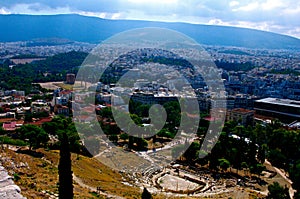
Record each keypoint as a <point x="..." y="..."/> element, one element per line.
<point x="284" y="109"/>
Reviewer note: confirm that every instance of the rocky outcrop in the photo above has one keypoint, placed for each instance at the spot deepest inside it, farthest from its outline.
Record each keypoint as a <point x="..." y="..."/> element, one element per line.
<point x="8" y="189"/>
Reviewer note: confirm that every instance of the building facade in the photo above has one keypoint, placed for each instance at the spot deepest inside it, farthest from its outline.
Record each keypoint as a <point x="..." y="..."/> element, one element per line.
<point x="285" y="110"/>
<point x="243" y="116"/>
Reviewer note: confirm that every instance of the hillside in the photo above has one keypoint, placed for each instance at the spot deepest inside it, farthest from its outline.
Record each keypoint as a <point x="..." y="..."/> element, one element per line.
<point x="94" y="30"/>
<point x="37" y="177"/>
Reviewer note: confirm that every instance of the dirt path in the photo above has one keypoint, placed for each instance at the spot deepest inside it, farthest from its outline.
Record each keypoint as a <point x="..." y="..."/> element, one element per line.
<point x="82" y="184"/>
<point x="50" y="85"/>
<point x="284" y="176"/>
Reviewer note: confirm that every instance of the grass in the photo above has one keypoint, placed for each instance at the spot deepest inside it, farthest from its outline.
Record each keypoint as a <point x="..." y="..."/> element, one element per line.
<point x="38" y="176"/>
<point x="41" y="175"/>
<point x="95" y="174"/>
<point x="64" y="86"/>
<point x="71" y="86"/>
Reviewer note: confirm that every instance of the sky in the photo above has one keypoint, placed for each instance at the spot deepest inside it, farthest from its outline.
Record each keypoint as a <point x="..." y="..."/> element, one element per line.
<point x="280" y="16"/>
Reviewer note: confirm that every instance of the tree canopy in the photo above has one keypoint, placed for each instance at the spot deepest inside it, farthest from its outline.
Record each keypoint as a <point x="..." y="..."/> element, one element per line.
<point x="34" y="134"/>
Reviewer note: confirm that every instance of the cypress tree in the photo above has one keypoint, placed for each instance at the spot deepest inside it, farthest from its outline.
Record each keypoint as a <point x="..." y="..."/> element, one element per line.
<point x="146" y="194"/>
<point x="64" y="170"/>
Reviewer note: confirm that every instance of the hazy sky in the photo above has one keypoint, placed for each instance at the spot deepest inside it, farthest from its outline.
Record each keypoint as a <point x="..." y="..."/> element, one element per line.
<point x="281" y="16"/>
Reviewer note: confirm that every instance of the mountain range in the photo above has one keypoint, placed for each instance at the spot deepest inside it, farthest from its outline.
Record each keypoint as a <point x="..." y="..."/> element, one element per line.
<point x="94" y="30"/>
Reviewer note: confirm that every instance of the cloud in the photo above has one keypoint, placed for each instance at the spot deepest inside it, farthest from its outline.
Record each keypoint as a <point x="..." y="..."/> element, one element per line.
<point x="272" y="4"/>
<point x="35" y="8"/>
<point x="3" y="11"/>
<point x="233" y="3"/>
<point x="249" y="7"/>
<point x="292" y="11"/>
<point x="153" y="1"/>
<point x="267" y="5"/>
<point x="293" y="31"/>
<point x="74" y="5"/>
<point x="272" y="15"/>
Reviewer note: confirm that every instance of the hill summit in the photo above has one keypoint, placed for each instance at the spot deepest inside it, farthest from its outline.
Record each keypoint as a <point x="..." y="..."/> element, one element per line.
<point x="94" y="30"/>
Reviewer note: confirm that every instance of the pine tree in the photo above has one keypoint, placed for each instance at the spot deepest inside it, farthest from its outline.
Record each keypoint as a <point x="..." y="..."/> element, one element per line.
<point x="277" y="191"/>
<point x="64" y="170"/>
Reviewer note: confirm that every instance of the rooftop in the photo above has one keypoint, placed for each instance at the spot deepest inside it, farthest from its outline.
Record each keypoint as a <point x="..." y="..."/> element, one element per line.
<point x="40" y="121"/>
<point x="276" y="101"/>
<point x="242" y="110"/>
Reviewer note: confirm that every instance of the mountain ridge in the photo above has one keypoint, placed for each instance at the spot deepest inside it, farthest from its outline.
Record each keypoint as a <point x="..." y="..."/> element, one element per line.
<point x="94" y="30"/>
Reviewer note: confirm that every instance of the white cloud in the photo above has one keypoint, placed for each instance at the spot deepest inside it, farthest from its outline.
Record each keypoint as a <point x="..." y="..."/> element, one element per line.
<point x="249" y="7"/>
<point x="217" y="22"/>
<point x="103" y="15"/>
<point x="294" y="32"/>
<point x="37" y="8"/>
<point x="234" y="3"/>
<point x="3" y="11"/>
<point x="272" y="4"/>
<point x="268" y="5"/>
<point x="292" y="11"/>
<point x="264" y="26"/>
<point x="153" y="1"/>
<point x="116" y="16"/>
<point x="94" y="14"/>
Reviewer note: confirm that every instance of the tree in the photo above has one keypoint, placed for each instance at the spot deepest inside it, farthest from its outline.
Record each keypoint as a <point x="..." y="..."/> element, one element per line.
<point x="56" y="124"/>
<point x="165" y="133"/>
<point x="113" y="138"/>
<point x="141" y="143"/>
<point x="2" y="131"/>
<point x="124" y="136"/>
<point x="106" y="112"/>
<point x="213" y="162"/>
<point x="60" y="125"/>
<point x="192" y="152"/>
<point x="244" y="165"/>
<point x="261" y="154"/>
<point x="276" y="191"/>
<point x="295" y="177"/>
<point x="137" y="120"/>
<point x="224" y="164"/>
<point x="130" y="142"/>
<point x="276" y="157"/>
<point x="65" y="188"/>
<point x="202" y="157"/>
<point x="257" y="168"/>
<point x="50" y="127"/>
<point x="146" y="194"/>
<point x="34" y="134"/>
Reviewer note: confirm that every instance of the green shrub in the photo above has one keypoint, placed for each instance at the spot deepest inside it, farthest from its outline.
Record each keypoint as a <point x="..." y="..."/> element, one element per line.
<point x="11" y="141"/>
<point x="16" y="177"/>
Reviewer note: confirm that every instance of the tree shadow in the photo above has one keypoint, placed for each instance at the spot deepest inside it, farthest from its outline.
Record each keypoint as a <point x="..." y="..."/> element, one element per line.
<point x="31" y="153"/>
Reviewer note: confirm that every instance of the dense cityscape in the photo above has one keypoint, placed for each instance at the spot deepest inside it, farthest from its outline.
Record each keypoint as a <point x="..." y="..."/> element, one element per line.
<point x="261" y="98"/>
<point x="161" y="99"/>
